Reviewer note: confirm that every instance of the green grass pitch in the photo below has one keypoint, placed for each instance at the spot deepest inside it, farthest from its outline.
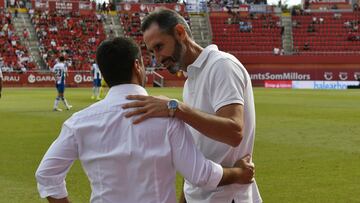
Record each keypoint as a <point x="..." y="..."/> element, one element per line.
<point x="307" y="146"/>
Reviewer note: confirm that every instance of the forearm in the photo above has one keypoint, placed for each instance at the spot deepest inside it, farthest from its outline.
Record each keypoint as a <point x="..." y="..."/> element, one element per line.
<point x="218" y="128"/>
<point x="231" y="176"/>
<point x="62" y="200"/>
<point x="228" y="176"/>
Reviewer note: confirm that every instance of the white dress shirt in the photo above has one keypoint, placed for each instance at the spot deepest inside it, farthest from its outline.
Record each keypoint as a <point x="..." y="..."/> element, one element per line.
<point x="125" y="162"/>
<point x="217" y="79"/>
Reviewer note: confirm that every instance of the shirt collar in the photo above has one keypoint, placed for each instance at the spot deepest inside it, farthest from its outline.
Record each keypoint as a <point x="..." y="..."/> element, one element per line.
<point x="126" y="89"/>
<point x="198" y="63"/>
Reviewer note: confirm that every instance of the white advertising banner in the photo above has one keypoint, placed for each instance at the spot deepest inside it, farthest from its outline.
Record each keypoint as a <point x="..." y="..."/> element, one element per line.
<point x="323" y="84"/>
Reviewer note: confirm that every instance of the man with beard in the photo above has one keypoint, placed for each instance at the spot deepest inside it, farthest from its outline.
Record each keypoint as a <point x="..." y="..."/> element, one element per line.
<point x="218" y="101"/>
<point x="126" y="163"/>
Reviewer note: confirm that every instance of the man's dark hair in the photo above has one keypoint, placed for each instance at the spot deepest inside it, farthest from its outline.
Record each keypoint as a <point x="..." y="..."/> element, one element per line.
<point x="61" y="58"/>
<point x="166" y="19"/>
<point x="116" y="58"/>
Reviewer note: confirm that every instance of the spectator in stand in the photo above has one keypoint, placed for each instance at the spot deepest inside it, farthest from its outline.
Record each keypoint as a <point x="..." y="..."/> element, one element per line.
<point x="306" y="46"/>
<point x="53" y="43"/>
<point x="347" y="24"/>
<point x="311" y="28"/>
<point x="314" y="20"/>
<point x="16" y="12"/>
<point x="21" y="67"/>
<point x="26" y="36"/>
<point x="337" y="16"/>
<point x="8" y="17"/>
<point x="276" y="51"/>
<point x="10" y="35"/>
<point x="355" y="27"/>
<point x="282" y="52"/>
<point x="31" y="12"/>
<point x="296" y="50"/>
<point x="242" y="26"/>
<point x="351" y="36"/>
<point x="249" y="27"/>
<point x="103" y="8"/>
<point x="356" y="7"/>
<point x="111" y="30"/>
<point x="98" y="17"/>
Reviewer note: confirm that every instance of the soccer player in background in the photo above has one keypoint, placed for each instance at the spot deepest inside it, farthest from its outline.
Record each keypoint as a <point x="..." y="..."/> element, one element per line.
<point x="96" y="81"/>
<point x="60" y="71"/>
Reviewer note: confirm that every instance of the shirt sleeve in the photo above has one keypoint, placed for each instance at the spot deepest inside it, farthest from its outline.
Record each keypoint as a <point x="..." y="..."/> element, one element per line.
<point x="55" y="165"/>
<point x="226" y="84"/>
<point x="189" y="161"/>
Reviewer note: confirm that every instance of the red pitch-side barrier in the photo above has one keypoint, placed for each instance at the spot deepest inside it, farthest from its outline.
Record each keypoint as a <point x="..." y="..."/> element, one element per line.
<point x="74" y="79"/>
<point x="36" y="79"/>
<point x="323" y="68"/>
<point x="336" y="68"/>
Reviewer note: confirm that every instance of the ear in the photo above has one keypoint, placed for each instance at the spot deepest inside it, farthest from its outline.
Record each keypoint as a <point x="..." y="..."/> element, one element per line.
<point x="137" y="66"/>
<point x="180" y="32"/>
<point x="136" y="72"/>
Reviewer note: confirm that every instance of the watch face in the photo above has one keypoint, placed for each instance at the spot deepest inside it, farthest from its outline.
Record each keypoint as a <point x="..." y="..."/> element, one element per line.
<point x="173" y="104"/>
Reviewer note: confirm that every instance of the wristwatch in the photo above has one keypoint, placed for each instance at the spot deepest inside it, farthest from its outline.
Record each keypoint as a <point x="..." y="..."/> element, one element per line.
<point x="172" y="106"/>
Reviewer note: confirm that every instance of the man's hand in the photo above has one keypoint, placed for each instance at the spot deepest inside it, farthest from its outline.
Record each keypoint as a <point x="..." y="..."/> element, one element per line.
<point x="147" y="107"/>
<point x="247" y="170"/>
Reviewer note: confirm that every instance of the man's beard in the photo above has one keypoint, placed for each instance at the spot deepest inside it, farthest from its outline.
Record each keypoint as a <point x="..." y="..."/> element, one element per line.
<point x="176" y="57"/>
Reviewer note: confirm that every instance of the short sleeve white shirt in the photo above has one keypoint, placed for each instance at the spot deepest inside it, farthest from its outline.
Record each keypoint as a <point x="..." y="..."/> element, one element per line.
<point x="217" y="79"/>
<point x="125" y="163"/>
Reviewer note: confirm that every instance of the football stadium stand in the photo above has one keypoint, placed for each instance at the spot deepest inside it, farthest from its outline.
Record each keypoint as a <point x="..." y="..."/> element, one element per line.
<point x="319" y="42"/>
<point x="14" y="55"/>
<point x="327" y="33"/>
<point x="255" y="35"/>
<point x="73" y="35"/>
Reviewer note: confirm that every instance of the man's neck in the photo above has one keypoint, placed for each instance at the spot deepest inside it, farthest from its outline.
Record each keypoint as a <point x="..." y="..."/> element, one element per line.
<point x="192" y="53"/>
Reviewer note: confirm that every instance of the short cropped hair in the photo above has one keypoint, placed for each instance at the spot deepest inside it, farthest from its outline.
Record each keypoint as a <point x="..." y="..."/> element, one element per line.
<point x="166" y="19"/>
<point x="116" y="58"/>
